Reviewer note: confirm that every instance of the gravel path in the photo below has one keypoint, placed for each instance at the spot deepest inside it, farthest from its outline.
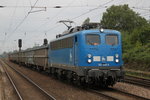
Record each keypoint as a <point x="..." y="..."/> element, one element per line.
<point x="137" y="90"/>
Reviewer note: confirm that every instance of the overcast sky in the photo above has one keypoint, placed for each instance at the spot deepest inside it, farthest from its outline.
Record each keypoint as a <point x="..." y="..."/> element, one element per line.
<point x="32" y="28"/>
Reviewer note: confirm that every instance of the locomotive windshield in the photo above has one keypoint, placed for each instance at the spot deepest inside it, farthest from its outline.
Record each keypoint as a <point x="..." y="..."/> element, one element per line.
<point x="111" y="39"/>
<point x="93" y="39"/>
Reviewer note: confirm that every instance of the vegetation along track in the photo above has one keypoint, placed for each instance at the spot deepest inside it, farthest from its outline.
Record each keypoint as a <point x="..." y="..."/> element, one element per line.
<point x="137" y="81"/>
<point x="26" y="89"/>
<point x="115" y="94"/>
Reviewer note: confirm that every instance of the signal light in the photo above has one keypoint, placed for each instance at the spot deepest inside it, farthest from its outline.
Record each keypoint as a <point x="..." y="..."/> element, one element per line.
<point x="101" y="30"/>
<point x="20" y="43"/>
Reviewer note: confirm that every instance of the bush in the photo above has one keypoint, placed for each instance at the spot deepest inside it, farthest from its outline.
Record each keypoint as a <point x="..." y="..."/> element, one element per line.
<point x="136" y="49"/>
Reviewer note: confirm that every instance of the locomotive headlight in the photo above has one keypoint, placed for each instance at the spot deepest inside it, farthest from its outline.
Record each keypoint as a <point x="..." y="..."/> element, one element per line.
<point x="117" y="55"/>
<point x="89" y="60"/>
<point x="89" y="56"/>
<point x="117" y="60"/>
<point x="101" y="30"/>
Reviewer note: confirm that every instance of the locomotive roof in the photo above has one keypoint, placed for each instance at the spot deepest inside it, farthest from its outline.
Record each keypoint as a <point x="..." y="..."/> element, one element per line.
<point x="106" y="31"/>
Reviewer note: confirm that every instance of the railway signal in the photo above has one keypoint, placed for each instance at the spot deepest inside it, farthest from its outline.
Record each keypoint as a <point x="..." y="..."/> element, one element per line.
<point x="19" y="45"/>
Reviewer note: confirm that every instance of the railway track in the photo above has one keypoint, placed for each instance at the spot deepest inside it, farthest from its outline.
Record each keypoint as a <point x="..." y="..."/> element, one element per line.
<point x="25" y="88"/>
<point x="115" y="94"/>
<point x="13" y="84"/>
<point x="137" y="81"/>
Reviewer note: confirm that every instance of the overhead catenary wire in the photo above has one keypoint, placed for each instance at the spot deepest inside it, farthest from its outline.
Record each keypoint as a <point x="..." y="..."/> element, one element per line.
<point x="52" y="27"/>
<point x="44" y="24"/>
<point x="11" y="22"/>
<point x="145" y="11"/>
<point x="21" y="22"/>
<point x="69" y="4"/>
<point x="57" y="6"/>
<point x="142" y="8"/>
<point x="24" y="18"/>
<point x="30" y="3"/>
<point x="102" y="5"/>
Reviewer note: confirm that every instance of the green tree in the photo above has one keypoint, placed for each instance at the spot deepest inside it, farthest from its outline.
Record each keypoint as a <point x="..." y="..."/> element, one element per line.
<point x="86" y="21"/>
<point x="122" y="18"/>
<point x="141" y="35"/>
<point x="144" y="36"/>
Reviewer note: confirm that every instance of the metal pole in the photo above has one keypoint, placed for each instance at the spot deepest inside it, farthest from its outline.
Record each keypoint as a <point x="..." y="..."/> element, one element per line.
<point x="19" y="56"/>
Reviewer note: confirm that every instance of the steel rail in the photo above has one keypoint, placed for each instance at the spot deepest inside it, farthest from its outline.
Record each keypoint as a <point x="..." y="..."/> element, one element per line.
<point x="12" y="82"/>
<point x="28" y="79"/>
<point x="119" y="92"/>
<point x="138" y="78"/>
<point x="137" y="81"/>
<point x="131" y="95"/>
<point x="100" y="93"/>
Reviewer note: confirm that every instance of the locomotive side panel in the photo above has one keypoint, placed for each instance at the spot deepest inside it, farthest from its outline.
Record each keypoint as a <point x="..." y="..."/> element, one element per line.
<point x="61" y="52"/>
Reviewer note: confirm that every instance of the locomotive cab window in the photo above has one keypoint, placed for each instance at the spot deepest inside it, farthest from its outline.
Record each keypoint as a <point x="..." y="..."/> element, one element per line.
<point x="93" y="39"/>
<point x="111" y="39"/>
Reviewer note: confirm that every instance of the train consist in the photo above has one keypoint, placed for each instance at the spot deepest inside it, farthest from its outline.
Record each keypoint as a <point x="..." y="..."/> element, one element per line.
<point x="83" y="55"/>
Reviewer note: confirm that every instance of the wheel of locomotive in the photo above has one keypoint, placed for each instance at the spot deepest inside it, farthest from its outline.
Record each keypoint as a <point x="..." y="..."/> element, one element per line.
<point x="69" y="77"/>
<point x="64" y="75"/>
<point x="103" y="84"/>
<point x="78" y="83"/>
<point x="53" y="72"/>
<point x="59" y="74"/>
<point x="76" y="79"/>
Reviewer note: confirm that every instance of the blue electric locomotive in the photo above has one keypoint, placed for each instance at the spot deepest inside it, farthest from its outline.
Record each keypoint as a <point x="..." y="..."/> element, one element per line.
<point x="92" y="56"/>
<point x="81" y="55"/>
